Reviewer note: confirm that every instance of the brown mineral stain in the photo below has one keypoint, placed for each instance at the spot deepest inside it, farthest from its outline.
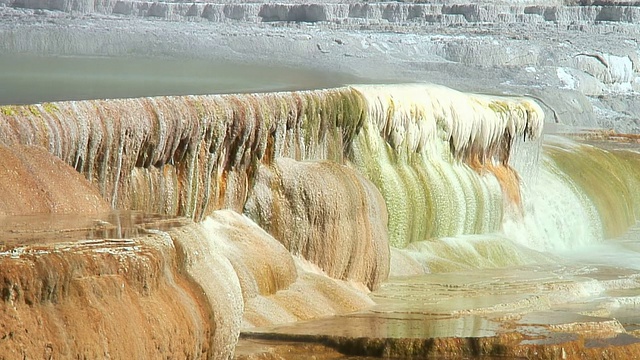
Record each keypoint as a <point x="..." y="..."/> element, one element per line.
<point x="33" y="181"/>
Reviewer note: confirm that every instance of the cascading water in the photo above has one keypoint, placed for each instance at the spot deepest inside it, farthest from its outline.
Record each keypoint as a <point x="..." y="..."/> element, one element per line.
<point x="558" y="214"/>
<point x="298" y="204"/>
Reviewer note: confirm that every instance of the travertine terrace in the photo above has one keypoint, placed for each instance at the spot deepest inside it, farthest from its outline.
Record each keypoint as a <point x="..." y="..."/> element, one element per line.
<point x="386" y="216"/>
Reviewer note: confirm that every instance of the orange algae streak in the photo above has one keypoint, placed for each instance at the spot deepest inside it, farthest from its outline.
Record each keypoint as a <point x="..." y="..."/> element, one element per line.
<point x="509" y="182"/>
<point x="507" y="178"/>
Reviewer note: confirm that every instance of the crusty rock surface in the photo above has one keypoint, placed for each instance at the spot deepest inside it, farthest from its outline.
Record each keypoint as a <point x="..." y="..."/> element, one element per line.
<point x="91" y="298"/>
<point x="89" y="286"/>
<point x="305" y="205"/>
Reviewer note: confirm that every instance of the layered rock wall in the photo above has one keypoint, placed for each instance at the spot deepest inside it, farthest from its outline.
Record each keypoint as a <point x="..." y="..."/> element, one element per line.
<point x="189" y="156"/>
<point x="446" y="14"/>
<point x="192" y="155"/>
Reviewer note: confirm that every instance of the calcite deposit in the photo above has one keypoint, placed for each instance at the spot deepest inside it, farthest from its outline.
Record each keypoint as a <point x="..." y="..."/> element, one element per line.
<point x="99" y="297"/>
<point x="290" y="160"/>
<point x="302" y="204"/>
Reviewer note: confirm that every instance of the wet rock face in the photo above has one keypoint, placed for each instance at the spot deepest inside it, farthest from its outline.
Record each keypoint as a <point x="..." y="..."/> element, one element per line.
<point x="36" y="182"/>
<point x="101" y="298"/>
<point x="186" y="156"/>
<point x="178" y="289"/>
<point x="320" y="209"/>
<point x="192" y="155"/>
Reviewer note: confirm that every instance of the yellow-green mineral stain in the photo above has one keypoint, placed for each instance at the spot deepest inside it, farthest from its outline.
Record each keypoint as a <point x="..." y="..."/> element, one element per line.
<point x="50" y="107"/>
<point x="7" y="110"/>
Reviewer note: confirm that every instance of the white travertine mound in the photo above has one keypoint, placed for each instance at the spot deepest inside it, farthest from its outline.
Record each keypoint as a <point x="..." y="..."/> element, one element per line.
<point x="206" y="265"/>
<point x="274" y="287"/>
<point x="411" y="116"/>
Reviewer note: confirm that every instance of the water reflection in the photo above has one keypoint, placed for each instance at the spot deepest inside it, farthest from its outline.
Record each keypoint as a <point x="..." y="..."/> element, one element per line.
<point x="532" y="305"/>
<point x="50" y="229"/>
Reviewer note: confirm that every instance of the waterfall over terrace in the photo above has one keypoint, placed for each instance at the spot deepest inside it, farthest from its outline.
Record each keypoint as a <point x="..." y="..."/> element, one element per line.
<point x="223" y="212"/>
